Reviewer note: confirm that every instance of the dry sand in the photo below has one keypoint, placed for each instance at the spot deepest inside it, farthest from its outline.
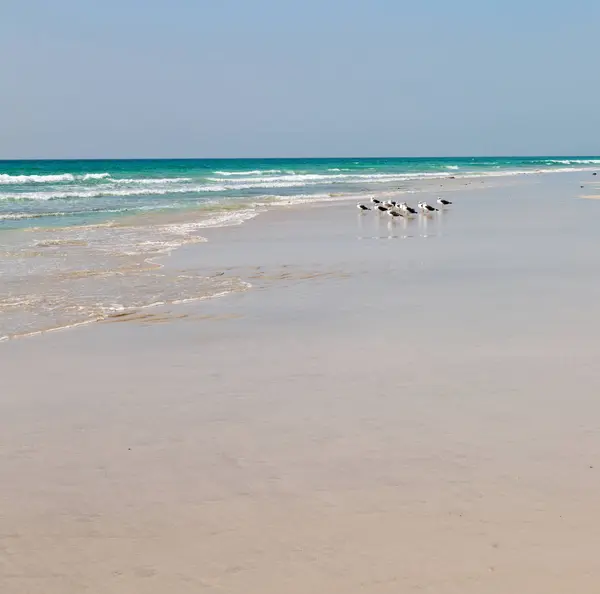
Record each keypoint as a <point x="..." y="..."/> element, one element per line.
<point x="390" y="409"/>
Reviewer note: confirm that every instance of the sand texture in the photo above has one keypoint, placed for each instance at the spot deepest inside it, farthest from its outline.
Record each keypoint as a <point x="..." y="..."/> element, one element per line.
<point x="391" y="408"/>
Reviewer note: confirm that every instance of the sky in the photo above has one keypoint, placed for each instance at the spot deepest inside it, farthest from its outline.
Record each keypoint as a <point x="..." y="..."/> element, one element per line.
<point x="291" y="78"/>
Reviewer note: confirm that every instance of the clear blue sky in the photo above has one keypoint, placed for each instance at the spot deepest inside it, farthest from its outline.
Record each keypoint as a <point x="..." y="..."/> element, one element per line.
<point x="236" y="78"/>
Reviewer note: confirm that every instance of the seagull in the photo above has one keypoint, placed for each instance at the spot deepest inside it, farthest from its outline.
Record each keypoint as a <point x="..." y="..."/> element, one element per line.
<point x="381" y="208"/>
<point x="443" y="202"/>
<point x="375" y="201"/>
<point x="409" y="209"/>
<point x="394" y="214"/>
<point x="426" y="207"/>
<point x="389" y="203"/>
<point x="362" y="207"/>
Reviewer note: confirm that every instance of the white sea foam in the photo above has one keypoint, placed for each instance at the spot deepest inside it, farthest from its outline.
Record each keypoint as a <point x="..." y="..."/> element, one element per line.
<point x="88" y="176"/>
<point x="253" y="172"/>
<point x="305" y="199"/>
<point x="5" y="178"/>
<point x="152" y="181"/>
<point x="69" y="177"/>
<point x="452" y="167"/>
<point x="106" y="192"/>
<point x="17" y="216"/>
<point x="219" y="219"/>
<point x="335" y="177"/>
<point x="146" y="191"/>
<point x="574" y="161"/>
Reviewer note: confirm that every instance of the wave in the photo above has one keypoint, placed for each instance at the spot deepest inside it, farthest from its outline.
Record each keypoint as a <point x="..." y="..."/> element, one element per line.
<point x="162" y="186"/>
<point x="100" y="192"/>
<point x="5" y="178"/>
<point x="107" y="192"/>
<point x="70" y="177"/>
<point x="452" y="167"/>
<point x="17" y="216"/>
<point x="87" y="176"/>
<point x="148" y="181"/>
<point x="253" y="172"/>
<point x="219" y="219"/>
<point x="572" y="161"/>
<point x="317" y="178"/>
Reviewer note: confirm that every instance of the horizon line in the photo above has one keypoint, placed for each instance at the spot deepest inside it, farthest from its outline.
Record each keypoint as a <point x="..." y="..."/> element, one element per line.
<point x="421" y="157"/>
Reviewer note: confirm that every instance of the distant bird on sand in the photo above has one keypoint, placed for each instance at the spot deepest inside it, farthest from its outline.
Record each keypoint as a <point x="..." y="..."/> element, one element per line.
<point x="443" y="202"/>
<point x="409" y="209"/>
<point x="394" y="213"/>
<point x="362" y="207"/>
<point x="381" y="208"/>
<point x="426" y="207"/>
<point x="375" y="201"/>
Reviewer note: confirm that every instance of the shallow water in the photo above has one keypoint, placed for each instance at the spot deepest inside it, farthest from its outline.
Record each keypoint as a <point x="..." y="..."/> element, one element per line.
<point x="59" y="276"/>
<point x="54" y="278"/>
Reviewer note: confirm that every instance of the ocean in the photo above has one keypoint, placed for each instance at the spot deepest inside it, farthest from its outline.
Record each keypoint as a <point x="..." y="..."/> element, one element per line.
<point x="73" y="193"/>
<point x="82" y="241"/>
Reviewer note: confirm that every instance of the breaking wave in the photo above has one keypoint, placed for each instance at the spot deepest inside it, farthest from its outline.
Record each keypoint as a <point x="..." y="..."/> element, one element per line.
<point x="573" y="161"/>
<point x="253" y="172"/>
<point x="152" y="181"/>
<point x="87" y="176"/>
<point x="5" y="178"/>
<point x="106" y="192"/>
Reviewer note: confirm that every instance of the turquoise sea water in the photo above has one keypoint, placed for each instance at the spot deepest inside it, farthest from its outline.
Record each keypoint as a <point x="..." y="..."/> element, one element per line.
<point x="71" y="193"/>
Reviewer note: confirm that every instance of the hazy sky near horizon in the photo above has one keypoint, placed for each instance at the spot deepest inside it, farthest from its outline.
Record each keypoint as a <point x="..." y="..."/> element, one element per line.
<point x="259" y="78"/>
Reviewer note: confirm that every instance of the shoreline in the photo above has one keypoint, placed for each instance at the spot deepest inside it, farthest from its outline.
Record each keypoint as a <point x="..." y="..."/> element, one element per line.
<point x="267" y="201"/>
<point x="189" y="229"/>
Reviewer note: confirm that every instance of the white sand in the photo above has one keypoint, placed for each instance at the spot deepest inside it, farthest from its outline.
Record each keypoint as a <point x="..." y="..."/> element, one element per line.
<point x="388" y="410"/>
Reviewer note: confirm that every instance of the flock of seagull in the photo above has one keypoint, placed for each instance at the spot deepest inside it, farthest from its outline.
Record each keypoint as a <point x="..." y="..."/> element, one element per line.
<point x="402" y="209"/>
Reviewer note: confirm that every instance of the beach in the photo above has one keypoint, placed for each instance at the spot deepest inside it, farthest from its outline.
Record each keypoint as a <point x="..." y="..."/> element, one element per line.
<point x="84" y="240"/>
<point x="369" y="406"/>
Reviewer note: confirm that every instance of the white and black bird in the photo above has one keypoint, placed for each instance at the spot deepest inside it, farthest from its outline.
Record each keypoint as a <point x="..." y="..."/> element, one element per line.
<point x="427" y="207"/>
<point x="407" y="209"/>
<point x="362" y="207"/>
<point x="375" y="201"/>
<point x="395" y="213"/>
<point x="381" y="208"/>
<point x="443" y="202"/>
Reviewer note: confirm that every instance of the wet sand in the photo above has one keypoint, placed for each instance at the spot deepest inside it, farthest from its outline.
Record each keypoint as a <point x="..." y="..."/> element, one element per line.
<point x="389" y="409"/>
